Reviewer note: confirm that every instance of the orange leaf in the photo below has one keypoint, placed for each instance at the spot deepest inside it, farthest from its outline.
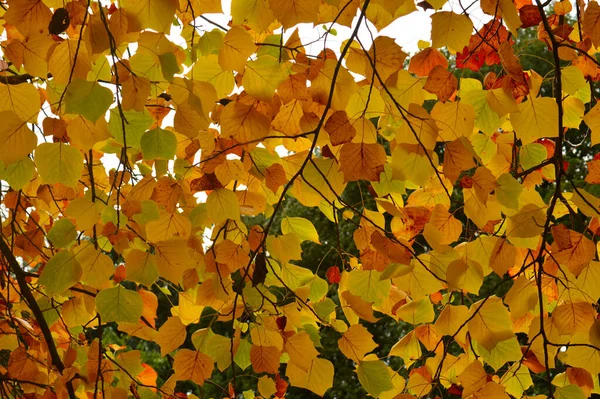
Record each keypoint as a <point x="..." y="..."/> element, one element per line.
<point x="265" y="359"/>
<point x="441" y="82"/>
<point x="424" y="61"/>
<point x="362" y="161"/>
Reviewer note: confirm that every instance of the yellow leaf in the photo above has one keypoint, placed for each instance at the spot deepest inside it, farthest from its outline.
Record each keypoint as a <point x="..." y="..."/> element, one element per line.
<point x="141" y="267"/>
<point x="343" y="90"/>
<point x="572" y="79"/>
<point x="417" y="281"/>
<point x="263" y="76"/>
<point x="411" y="163"/>
<point x="303" y="228"/>
<point x="490" y="322"/>
<point x="96" y="266"/>
<point x="28" y="16"/>
<point x="288" y="119"/>
<point x="136" y="91"/>
<point x="522" y="297"/>
<point x="356" y="342"/>
<point x="417" y="312"/>
<point x="537" y="118"/>
<point x="450" y="30"/>
<point x="464" y="275"/>
<point x="449" y="227"/>
<point x="243" y="121"/>
<point x="62" y="61"/>
<point x="503" y="256"/>
<point x="173" y="258"/>
<point x="168" y="226"/>
<point x="301" y="350"/>
<point x="224" y="205"/>
<point x="418" y="128"/>
<point x="22" y="99"/>
<point x="501" y="101"/>
<point x="153" y="14"/>
<point x="83" y="134"/>
<point x="362" y="161"/>
<point x="454" y="119"/>
<point x="318" y="378"/>
<point x="237" y="47"/>
<point x="207" y="69"/>
<point x="234" y="256"/>
<point x="171" y="335"/>
<point x="266" y="386"/>
<point x="573" y="317"/>
<point x="257" y="15"/>
<point x="16" y="139"/>
<point x="473" y="378"/>
<point x="408" y="348"/>
<point x="293" y="12"/>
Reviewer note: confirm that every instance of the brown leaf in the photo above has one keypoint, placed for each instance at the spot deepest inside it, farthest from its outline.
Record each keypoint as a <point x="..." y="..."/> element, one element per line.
<point x="275" y="177"/>
<point x="362" y="161"/>
<point x="60" y="21"/>
<point x="511" y="63"/>
<point x="457" y="159"/>
<point x="441" y="82"/>
<point x="260" y="270"/>
<point x="591" y="22"/>
<point x="339" y="128"/>
<point x="208" y="181"/>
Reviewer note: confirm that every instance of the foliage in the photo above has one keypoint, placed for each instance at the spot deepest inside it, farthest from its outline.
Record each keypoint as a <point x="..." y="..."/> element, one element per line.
<point x="222" y="213"/>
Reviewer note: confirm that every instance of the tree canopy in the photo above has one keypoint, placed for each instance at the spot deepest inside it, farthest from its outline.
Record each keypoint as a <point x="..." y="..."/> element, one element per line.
<point x="197" y="208"/>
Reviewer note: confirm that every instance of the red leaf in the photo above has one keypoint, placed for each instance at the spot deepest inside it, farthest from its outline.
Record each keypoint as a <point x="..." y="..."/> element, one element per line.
<point x="530" y="16"/>
<point x="281" y="322"/>
<point x="281" y="385"/>
<point x="333" y="275"/>
<point x="466" y="182"/>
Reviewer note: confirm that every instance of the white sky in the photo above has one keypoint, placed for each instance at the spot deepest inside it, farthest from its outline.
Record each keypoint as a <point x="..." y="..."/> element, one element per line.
<point x="407" y="30"/>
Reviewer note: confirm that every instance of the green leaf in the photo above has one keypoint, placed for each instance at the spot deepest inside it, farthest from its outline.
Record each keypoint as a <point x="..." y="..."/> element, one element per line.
<point x="62" y="233"/>
<point x="325" y="308"/>
<point x="60" y="273"/>
<point x="18" y="174"/>
<point x="168" y="65"/>
<point x="532" y="154"/>
<point x="88" y="99"/>
<point x="508" y="191"/>
<point x="374" y="377"/>
<point x="137" y="123"/>
<point x="59" y="163"/>
<point x="302" y="227"/>
<point x="119" y="304"/>
<point x="158" y="144"/>
<point x="318" y="289"/>
<point x="242" y="356"/>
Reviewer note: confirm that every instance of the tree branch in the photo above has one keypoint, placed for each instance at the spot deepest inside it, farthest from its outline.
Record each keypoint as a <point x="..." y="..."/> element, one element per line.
<point x="35" y="309"/>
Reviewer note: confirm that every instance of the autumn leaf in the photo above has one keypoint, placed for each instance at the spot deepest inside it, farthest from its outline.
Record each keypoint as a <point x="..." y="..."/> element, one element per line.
<point x="276" y="190"/>
<point x="441" y="83"/>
